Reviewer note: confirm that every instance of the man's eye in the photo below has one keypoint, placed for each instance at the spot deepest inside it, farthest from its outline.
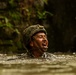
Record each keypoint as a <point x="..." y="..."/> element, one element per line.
<point x="40" y="36"/>
<point x="45" y="36"/>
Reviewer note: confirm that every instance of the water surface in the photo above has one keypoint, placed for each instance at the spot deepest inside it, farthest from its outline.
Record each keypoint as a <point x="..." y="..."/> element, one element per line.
<point x="59" y="64"/>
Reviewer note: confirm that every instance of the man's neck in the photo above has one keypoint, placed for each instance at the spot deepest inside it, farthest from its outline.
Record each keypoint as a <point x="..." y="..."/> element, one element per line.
<point x="36" y="54"/>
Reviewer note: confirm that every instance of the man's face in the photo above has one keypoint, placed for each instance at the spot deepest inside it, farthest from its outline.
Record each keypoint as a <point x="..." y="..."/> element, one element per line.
<point x="40" y="42"/>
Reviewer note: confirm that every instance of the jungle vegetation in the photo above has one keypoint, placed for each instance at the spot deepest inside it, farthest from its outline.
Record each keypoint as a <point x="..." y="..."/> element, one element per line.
<point x="58" y="17"/>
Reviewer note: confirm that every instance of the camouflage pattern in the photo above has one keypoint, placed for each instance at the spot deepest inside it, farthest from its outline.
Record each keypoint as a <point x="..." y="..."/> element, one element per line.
<point x="45" y="55"/>
<point x="30" y="31"/>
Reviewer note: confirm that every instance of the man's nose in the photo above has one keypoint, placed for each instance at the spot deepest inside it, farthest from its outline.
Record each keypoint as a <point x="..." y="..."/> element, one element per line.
<point x="44" y="38"/>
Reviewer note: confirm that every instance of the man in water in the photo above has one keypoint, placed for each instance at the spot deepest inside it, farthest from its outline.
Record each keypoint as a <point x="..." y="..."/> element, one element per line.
<point x="35" y="41"/>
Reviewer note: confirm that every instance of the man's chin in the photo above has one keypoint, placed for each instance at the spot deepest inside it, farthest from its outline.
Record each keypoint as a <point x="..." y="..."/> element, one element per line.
<point x="45" y="49"/>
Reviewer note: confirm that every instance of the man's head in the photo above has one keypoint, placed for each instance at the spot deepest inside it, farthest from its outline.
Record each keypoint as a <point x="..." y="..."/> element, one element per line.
<point x="35" y="36"/>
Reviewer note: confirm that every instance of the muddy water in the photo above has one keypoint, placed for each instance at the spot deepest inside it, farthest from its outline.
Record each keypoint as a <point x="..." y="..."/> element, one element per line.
<point x="58" y="64"/>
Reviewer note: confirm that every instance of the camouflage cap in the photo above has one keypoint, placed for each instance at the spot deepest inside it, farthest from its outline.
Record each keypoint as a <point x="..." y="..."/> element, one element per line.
<point x="30" y="31"/>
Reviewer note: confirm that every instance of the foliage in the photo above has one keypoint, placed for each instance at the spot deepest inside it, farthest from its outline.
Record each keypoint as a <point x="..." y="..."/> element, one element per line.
<point x="43" y="15"/>
<point x="18" y="13"/>
<point x="4" y="22"/>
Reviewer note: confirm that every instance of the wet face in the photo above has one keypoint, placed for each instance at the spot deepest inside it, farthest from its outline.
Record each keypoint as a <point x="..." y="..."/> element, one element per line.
<point x="39" y="42"/>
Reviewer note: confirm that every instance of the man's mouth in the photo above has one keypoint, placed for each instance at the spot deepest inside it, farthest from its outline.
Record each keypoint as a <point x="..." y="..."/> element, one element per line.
<point x="44" y="45"/>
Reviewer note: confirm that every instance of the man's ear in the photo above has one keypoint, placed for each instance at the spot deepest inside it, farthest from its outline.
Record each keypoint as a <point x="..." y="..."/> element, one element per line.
<point x="31" y="43"/>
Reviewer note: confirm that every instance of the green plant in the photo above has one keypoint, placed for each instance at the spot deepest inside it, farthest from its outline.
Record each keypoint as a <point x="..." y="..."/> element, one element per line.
<point x="4" y="22"/>
<point x="43" y="15"/>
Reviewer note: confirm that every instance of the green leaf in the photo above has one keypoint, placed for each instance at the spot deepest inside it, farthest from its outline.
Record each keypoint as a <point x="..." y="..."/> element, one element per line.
<point x="15" y="15"/>
<point x="17" y="31"/>
<point x="9" y="25"/>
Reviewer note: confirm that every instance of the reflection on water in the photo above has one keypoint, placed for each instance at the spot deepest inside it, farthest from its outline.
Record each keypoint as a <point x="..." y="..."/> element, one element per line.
<point x="60" y="64"/>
